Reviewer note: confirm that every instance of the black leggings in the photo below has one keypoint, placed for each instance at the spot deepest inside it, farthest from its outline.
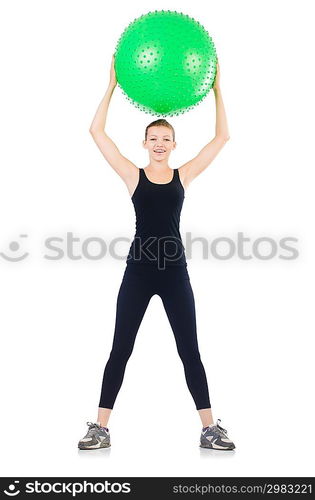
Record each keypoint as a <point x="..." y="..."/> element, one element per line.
<point x="140" y="282"/>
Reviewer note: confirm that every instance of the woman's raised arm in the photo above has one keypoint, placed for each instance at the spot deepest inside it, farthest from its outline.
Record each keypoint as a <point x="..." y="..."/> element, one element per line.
<point x="194" y="167"/>
<point x="125" y="168"/>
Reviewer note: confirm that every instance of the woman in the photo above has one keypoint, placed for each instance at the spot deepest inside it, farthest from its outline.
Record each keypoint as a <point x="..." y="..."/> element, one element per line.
<point x="156" y="263"/>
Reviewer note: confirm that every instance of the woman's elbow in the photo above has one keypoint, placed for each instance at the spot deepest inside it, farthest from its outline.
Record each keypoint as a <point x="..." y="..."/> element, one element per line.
<point x="93" y="130"/>
<point x="96" y="131"/>
<point x="223" y="138"/>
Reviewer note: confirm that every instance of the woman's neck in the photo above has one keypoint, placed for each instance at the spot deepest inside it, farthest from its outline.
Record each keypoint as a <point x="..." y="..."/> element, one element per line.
<point x="158" y="166"/>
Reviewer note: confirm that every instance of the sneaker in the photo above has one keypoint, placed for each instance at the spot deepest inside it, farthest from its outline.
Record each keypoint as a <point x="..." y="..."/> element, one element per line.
<point x="96" y="437"/>
<point x="215" y="437"/>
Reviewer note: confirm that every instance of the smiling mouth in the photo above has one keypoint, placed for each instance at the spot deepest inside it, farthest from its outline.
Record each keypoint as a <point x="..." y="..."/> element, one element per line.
<point x="159" y="151"/>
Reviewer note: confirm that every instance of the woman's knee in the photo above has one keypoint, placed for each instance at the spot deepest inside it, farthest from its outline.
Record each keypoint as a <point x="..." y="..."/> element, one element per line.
<point x="120" y="354"/>
<point x="189" y="356"/>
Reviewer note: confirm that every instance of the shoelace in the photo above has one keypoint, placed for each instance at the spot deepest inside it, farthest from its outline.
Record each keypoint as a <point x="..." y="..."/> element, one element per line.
<point x="218" y="430"/>
<point x="92" y="428"/>
<point x="222" y="431"/>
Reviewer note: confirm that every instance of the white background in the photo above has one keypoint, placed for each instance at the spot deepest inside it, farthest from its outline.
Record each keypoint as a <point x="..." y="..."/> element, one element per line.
<point x="254" y="317"/>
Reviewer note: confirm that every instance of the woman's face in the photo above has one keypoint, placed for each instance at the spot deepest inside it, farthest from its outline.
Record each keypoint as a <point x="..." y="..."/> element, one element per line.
<point x="159" y="142"/>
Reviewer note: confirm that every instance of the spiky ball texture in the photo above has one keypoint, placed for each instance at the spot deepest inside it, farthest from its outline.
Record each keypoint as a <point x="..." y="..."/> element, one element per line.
<point x="165" y="62"/>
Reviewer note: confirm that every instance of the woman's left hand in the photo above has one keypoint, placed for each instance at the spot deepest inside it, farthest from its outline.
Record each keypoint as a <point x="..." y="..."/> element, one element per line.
<point x="112" y="78"/>
<point x="216" y="83"/>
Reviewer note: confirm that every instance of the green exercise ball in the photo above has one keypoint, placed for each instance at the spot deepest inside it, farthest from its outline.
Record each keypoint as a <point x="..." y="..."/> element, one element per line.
<point x="165" y="62"/>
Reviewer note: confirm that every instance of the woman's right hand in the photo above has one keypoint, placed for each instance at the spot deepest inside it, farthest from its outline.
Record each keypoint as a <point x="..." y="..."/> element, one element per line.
<point x="113" y="79"/>
<point x="216" y="83"/>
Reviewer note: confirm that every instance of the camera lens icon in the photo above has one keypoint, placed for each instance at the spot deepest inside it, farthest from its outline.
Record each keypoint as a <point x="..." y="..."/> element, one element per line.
<point x="12" y="490"/>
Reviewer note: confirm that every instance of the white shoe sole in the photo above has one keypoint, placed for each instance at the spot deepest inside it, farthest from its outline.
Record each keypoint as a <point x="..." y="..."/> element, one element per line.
<point x="94" y="446"/>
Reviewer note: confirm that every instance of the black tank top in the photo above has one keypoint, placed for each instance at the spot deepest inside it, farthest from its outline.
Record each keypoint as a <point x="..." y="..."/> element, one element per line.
<point x="157" y="240"/>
